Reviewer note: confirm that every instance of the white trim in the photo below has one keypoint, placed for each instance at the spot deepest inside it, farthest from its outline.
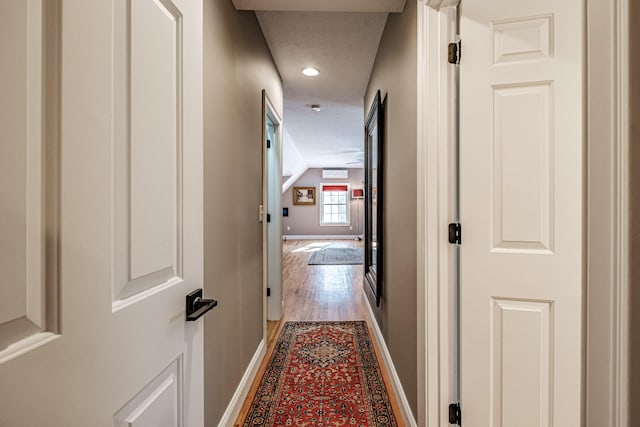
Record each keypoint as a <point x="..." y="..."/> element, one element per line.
<point x="233" y="409"/>
<point x="422" y="211"/>
<point x="607" y="316"/>
<point x="319" y="236"/>
<point x="272" y="231"/>
<point x="435" y="298"/>
<point x="407" y="415"/>
<point x="622" y="282"/>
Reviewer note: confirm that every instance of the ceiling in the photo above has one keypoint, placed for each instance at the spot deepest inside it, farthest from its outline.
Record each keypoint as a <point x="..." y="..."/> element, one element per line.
<point x="340" y="38"/>
<point x="322" y="5"/>
<point x="343" y="46"/>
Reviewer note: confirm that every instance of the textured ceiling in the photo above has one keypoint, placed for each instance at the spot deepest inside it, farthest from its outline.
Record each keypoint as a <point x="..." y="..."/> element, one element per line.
<point x="343" y="47"/>
<point x="322" y="5"/>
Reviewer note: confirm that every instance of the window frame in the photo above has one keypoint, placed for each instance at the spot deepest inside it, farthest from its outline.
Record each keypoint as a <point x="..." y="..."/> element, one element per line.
<point x="322" y="203"/>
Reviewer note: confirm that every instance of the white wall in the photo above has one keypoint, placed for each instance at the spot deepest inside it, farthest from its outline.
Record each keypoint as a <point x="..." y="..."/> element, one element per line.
<point x="293" y="164"/>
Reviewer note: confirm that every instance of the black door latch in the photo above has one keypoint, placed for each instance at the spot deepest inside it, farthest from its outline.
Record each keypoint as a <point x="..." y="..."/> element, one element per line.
<point x="198" y="306"/>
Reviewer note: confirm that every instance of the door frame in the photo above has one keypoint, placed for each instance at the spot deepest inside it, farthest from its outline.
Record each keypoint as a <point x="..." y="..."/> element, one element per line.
<point x="435" y="173"/>
<point x="269" y="112"/>
<point x="606" y="183"/>
<point x="608" y="188"/>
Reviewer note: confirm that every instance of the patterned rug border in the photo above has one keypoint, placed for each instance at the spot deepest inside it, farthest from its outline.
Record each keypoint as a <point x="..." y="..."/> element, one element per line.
<point x="262" y="409"/>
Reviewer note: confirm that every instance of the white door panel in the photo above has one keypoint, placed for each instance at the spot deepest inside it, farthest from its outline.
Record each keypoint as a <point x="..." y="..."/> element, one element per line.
<point x="23" y="296"/>
<point x="158" y="404"/>
<point x="101" y="163"/>
<point x="149" y="142"/>
<point x="521" y="153"/>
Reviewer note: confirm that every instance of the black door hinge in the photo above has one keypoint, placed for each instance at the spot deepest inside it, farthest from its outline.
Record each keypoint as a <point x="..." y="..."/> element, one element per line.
<point x="268" y="292"/>
<point x="455" y="233"/>
<point x="455" y="414"/>
<point x="268" y="217"/>
<point x="268" y="143"/>
<point x="455" y="52"/>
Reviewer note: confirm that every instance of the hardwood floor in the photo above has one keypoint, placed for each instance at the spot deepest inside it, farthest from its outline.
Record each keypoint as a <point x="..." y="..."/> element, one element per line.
<point x="318" y="292"/>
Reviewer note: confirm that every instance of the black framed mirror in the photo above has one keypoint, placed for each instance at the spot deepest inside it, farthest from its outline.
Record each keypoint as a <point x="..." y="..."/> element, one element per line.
<point x="373" y="201"/>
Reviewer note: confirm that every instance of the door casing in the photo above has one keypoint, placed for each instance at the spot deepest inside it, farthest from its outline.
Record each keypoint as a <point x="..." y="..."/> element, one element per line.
<point x="272" y="205"/>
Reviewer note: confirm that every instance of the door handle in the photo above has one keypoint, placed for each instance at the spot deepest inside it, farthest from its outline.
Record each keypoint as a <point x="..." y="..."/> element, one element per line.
<point x="198" y="306"/>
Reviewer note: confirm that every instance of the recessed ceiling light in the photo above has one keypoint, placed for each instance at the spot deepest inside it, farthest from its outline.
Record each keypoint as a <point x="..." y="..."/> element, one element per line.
<point x="310" y="71"/>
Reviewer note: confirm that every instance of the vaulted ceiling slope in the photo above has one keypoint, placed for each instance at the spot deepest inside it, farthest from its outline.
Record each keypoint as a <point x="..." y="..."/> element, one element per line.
<point x="321" y="5"/>
<point x="343" y="46"/>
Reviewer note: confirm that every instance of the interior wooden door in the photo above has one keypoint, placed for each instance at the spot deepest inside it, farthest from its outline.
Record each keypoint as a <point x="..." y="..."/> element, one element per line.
<point x="101" y="195"/>
<point x="521" y="201"/>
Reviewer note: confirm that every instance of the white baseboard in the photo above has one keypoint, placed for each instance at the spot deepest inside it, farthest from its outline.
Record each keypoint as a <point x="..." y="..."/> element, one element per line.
<point x="407" y="415"/>
<point x="318" y="237"/>
<point x="233" y="409"/>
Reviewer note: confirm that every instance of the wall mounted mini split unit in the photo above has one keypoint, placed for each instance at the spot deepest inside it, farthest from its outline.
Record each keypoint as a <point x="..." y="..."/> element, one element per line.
<point x="335" y="173"/>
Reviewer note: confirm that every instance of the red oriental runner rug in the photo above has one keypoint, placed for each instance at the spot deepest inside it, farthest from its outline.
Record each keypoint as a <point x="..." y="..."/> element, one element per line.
<point x="322" y="374"/>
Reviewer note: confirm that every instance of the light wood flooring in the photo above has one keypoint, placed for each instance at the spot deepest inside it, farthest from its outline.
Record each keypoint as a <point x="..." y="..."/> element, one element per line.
<point x="320" y="292"/>
<point x="317" y="292"/>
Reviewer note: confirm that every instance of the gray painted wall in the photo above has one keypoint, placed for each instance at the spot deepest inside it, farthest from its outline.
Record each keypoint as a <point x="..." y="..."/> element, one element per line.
<point x="394" y="73"/>
<point x="305" y="220"/>
<point x="237" y="66"/>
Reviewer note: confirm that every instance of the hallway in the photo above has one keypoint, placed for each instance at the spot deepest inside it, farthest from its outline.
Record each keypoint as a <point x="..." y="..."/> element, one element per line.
<point x="144" y="146"/>
<point x="269" y="55"/>
<point x="315" y="293"/>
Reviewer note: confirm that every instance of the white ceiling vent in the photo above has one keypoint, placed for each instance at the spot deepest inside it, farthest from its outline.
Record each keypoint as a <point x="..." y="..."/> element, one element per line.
<point x="335" y="173"/>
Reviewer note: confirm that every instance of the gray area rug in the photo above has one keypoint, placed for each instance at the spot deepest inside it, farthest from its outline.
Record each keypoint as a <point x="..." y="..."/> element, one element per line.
<point x="337" y="256"/>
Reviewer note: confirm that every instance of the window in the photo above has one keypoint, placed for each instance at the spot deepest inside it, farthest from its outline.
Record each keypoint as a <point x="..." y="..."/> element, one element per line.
<point x="334" y="205"/>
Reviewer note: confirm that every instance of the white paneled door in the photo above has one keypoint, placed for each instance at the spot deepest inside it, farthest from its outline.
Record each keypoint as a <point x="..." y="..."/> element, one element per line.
<point x="521" y="200"/>
<point x="101" y="201"/>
